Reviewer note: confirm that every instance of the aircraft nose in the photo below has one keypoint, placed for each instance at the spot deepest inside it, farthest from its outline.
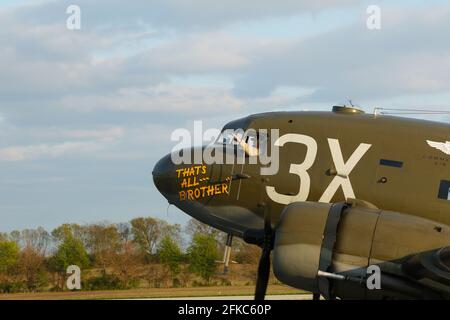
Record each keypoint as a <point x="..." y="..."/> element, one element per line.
<point x="164" y="175"/>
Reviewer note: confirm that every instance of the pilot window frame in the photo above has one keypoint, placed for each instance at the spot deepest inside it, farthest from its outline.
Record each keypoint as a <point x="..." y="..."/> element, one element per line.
<point x="240" y="138"/>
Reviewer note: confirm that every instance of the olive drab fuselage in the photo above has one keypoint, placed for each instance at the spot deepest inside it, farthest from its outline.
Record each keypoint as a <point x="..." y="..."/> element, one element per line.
<point x="397" y="169"/>
<point x="328" y="157"/>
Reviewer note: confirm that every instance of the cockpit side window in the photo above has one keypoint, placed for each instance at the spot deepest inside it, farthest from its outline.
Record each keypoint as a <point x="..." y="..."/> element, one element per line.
<point x="230" y="136"/>
<point x="251" y="141"/>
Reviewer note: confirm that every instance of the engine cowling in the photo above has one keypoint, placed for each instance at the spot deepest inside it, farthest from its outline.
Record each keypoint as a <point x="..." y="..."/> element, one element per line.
<point x="345" y="239"/>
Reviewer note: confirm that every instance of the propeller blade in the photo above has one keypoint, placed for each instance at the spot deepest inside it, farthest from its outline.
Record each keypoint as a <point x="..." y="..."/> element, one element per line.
<point x="262" y="279"/>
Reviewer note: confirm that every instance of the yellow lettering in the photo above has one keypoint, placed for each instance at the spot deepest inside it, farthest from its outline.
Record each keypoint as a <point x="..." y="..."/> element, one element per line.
<point x="194" y="182"/>
<point x="203" y="191"/>
<point x="216" y="189"/>
<point x="225" y="188"/>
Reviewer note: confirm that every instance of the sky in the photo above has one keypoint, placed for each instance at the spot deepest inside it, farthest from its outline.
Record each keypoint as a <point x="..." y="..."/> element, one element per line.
<point x="85" y="114"/>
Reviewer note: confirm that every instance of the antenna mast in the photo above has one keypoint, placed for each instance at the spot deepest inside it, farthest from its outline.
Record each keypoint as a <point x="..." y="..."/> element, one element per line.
<point x="396" y="111"/>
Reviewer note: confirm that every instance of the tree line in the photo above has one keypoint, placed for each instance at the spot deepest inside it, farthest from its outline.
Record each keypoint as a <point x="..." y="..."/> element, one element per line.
<point x="145" y="251"/>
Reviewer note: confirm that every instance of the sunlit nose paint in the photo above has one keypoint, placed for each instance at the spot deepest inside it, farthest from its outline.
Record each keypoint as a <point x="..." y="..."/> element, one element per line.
<point x="194" y="183"/>
<point x="163" y="175"/>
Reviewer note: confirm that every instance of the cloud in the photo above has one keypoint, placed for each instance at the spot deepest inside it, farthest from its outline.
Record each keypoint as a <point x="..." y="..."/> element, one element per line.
<point x="207" y="52"/>
<point x="21" y="153"/>
<point x="409" y="55"/>
<point x="174" y="98"/>
<point x="48" y="66"/>
<point x="102" y="135"/>
<point x="159" y="98"/>
<point x="82" y="141"/>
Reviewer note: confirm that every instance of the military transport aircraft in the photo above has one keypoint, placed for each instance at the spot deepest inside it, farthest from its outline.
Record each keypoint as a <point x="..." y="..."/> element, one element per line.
<point x="351" y="191"/>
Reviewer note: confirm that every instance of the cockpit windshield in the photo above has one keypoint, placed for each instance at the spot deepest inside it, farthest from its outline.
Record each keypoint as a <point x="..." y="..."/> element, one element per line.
<point x="251" y="141"/>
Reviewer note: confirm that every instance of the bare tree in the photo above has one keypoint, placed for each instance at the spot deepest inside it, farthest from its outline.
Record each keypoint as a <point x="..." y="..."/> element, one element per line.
<point x="195" y="226"/>
<point x="31" y="266"/>
<point x="145" y="233"/>
<point x="124" y="229"/>
<point x="73" y="230"/>
<point x="103" y="242"/>
<point x="125" y="263"/>
<point x="15" y="236"/>
<point x="148" y="232"/>
<point x="37" y="239"/>
<point x="185" y="275"/>
<point x="152" y="276"/>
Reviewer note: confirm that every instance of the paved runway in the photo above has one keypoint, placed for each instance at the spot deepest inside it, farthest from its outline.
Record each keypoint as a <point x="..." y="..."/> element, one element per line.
<point x="268" y="297"/>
